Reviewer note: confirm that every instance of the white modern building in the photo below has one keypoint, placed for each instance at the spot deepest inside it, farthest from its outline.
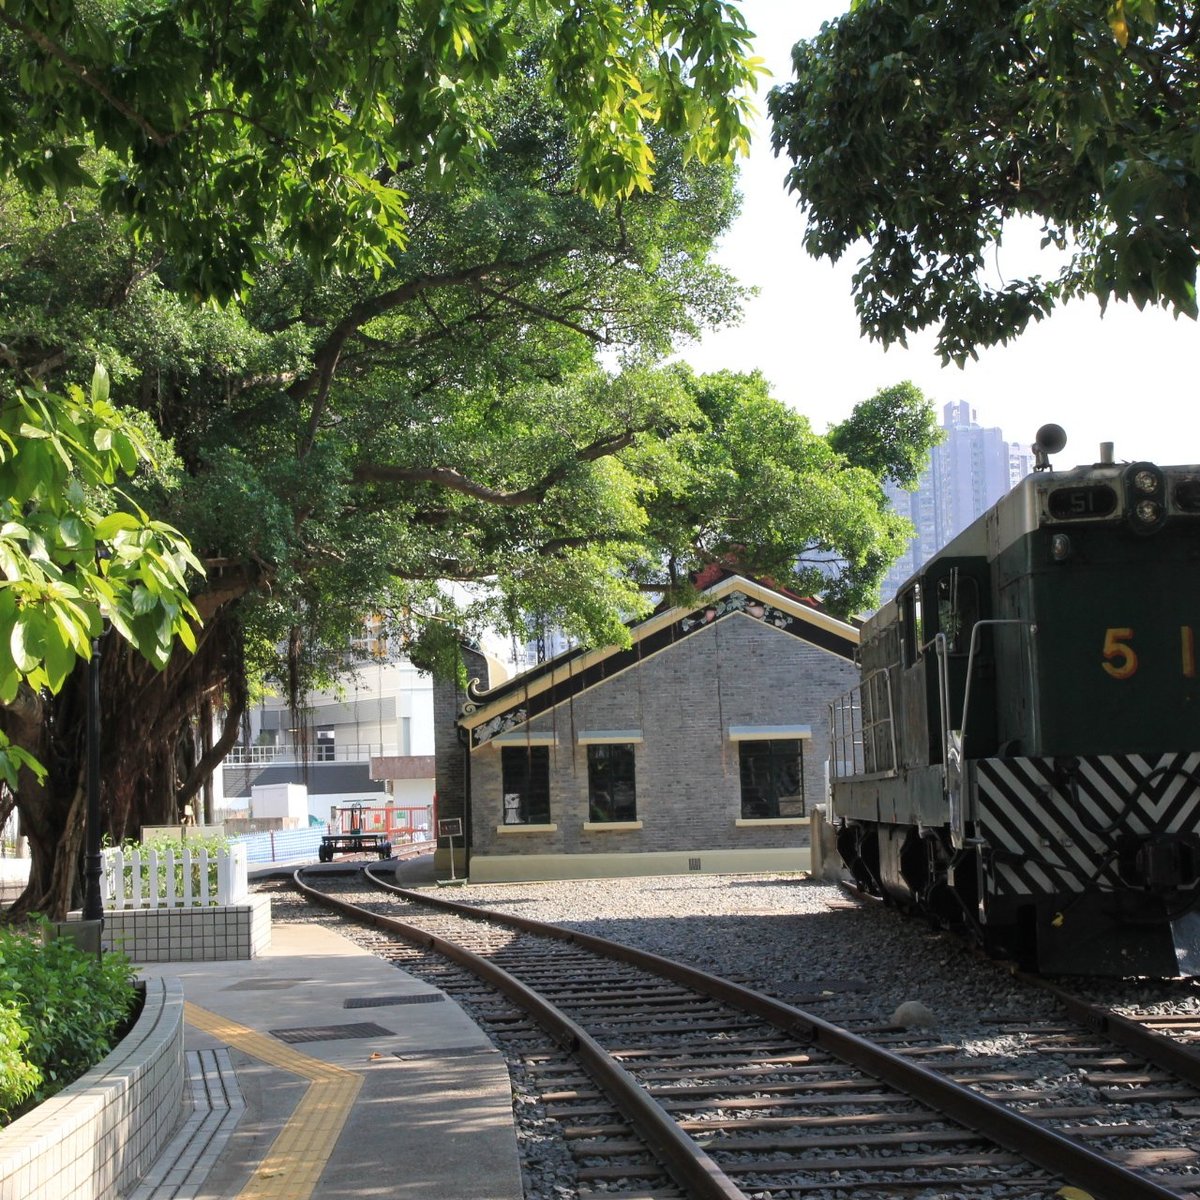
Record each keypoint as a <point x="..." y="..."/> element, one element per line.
<point x="370" y="739"/>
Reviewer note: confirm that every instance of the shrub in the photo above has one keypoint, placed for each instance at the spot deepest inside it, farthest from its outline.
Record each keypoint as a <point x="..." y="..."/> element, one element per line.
<point x="19" y="1078"/>
<point x="69" y="1007"/>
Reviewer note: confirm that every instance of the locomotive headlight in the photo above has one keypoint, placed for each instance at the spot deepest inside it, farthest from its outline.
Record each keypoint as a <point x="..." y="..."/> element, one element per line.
<point x="1145" y="497"/>
<point x="1060" y="547"/>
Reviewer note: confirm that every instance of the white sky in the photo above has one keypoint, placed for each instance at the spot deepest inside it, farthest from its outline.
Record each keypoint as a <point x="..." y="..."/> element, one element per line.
<point x="1128" y="377"/>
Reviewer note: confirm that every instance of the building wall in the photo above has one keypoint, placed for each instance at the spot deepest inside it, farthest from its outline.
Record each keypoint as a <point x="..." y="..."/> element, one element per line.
<point x="451" y="766"/>
<point x="383" y="708"/>
<point x="380" y="707"/>
<point x="738" y="671"/>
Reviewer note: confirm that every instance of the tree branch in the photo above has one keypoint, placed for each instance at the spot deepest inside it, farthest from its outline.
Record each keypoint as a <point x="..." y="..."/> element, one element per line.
<point x="317" y="383"/>
<point x="600" y="339"/>
<point x="84" y="75"/>
<point x="555" y="546"/>
<point x="215" y="754"/>
<point x="226" y="582"/>
<point x="454" y="480"/>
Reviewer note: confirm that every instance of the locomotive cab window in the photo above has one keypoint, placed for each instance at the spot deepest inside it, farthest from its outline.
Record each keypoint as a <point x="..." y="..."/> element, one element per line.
<point x="957" y="610"/>
<point x="910" y="625"/>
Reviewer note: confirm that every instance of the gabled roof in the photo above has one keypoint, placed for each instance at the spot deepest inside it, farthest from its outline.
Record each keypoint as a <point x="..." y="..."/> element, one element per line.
<point x="533" y="692"/>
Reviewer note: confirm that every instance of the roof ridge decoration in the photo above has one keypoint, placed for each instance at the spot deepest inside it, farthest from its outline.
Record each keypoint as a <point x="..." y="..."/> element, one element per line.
<point x="808" y="608"/>
<point x="526" y="696"/>
<point x="743" y="603"/>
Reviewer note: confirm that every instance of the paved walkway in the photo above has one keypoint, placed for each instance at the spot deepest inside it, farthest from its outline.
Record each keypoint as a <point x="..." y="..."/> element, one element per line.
<point x="318" y="1070"/>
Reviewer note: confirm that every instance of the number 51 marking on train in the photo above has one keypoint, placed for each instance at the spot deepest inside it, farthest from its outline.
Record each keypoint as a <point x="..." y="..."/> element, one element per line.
<point x="1121" y="660"/>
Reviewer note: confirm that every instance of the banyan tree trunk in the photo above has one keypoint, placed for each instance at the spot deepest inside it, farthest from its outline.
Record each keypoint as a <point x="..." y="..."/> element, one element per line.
<point x="145" y="717"/>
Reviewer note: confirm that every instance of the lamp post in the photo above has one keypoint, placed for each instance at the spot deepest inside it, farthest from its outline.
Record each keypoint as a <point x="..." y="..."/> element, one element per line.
<point x="93" y="909"/>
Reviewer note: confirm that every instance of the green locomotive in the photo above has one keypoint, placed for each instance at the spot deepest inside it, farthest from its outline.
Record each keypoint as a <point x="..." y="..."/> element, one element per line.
<point x="1022" y="755"/>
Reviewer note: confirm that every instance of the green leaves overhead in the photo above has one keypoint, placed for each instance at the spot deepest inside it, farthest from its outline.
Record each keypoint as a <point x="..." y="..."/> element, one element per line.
<point x="750" y="485"/>
<point x="65" y="566"/>
<point x="228" y="121"/>
<point x="924" y="127"/>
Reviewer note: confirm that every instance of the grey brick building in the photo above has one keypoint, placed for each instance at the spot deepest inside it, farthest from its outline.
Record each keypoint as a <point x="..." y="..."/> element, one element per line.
<point x="701" y="747"/>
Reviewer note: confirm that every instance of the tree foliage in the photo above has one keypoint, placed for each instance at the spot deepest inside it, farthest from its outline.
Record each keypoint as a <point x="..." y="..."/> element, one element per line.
<point x="926" y="126"/>
<point x="890" y="435"/>
<point x="229" y="124"/>
<point x="476" y="428"/>
<point x="750" y="484"/>
<point x="70" y="559"/>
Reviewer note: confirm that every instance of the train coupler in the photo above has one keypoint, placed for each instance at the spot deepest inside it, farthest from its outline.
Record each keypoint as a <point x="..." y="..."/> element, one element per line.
<point x="1161" y="863"/>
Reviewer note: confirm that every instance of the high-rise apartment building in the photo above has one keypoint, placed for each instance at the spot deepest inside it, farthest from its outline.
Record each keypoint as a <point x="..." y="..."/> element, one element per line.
<point x="966" y="475"/>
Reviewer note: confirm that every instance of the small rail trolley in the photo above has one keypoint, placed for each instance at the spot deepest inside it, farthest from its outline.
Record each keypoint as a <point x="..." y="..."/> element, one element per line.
<point x="1022" y="754"/>
<point x="357" y="828"/>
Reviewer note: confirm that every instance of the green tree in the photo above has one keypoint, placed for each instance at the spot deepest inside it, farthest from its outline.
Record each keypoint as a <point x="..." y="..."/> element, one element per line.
<point x="890" y="434"/>
<point x="926" y="128"/>
<point x="751" y="485"/>
<point x="296" y="149"/>
<point x="231" y="126"/>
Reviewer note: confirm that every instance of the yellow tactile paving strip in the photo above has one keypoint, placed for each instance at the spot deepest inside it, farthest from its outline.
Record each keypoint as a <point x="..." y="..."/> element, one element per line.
<point x="291" y="1168"/>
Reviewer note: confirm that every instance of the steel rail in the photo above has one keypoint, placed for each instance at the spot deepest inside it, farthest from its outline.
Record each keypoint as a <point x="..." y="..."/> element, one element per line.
<point x="680" y="1156"/>
<point x="1155" y="1048"/>
<point x="1054" y="1152"/>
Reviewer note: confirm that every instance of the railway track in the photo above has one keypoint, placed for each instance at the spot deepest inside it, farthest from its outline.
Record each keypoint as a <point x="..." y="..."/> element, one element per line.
<point x="667" y="1081"/>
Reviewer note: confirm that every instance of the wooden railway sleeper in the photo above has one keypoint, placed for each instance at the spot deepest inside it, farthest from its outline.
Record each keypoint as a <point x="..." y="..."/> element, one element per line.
<point x="1051" y="1151"/>
<point x="692" y="1168"/>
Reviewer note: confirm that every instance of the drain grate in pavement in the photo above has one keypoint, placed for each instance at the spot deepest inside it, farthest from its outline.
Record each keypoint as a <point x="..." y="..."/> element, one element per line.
<point x="331" y="1033"/>
<point x="385" y="1001"/>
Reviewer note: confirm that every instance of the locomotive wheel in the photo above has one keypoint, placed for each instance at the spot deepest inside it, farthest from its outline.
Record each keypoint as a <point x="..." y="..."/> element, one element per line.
<point x="859" y="848"/>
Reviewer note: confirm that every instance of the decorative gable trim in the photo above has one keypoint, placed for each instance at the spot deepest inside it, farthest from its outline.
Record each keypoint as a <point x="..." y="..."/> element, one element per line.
<point x="521" y="699"/>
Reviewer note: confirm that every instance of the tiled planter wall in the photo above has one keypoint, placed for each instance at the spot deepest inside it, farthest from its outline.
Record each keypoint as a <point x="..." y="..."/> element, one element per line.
<point x="101" y="1134"/>
<point x="212" y="933"/>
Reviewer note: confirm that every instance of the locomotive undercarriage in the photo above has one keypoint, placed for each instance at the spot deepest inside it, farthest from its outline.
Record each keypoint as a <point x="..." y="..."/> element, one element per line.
<point x="1092" y="932"/>
<point x="1035" y="877"/>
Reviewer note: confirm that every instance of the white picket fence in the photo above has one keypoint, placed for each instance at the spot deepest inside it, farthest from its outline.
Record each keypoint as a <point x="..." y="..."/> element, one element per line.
<point x="183" y="878"/>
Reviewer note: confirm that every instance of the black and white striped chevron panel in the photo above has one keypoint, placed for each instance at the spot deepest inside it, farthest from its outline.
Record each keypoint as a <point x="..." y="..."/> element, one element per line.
<point x="1050" y="835"/>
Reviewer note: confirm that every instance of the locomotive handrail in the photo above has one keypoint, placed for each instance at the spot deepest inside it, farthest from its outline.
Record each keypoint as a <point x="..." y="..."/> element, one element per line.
<point x="941" y="650"/>
<point x="1032" y="627"/>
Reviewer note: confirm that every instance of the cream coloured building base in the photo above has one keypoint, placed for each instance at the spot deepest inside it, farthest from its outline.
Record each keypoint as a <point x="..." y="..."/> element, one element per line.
<point x="441" y="862"/>
<point x="523" y="868"/>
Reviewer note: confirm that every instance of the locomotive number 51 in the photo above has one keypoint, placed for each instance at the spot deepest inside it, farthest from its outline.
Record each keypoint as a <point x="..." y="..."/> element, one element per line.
<point x="1121" y="660"/>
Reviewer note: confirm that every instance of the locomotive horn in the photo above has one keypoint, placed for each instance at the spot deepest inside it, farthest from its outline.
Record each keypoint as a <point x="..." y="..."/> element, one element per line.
<point x="1050" y="439"/>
